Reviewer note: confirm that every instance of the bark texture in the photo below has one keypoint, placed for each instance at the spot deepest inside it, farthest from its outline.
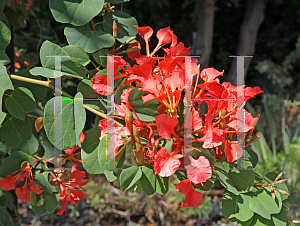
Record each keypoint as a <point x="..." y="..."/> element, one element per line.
<point x="253" y="18"/>
<point x="205" y="32"/>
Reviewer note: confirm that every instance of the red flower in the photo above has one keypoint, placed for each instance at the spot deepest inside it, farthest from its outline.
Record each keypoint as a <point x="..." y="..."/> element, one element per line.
<point x="166" y="125"/>
<point x="164" y="164"/>
<point x="231" y="151"/>
<point x="193" y="198"/>
<point x="136" y="53"/>
<point x="71" y="155"/>
<point x="100" y="86"/>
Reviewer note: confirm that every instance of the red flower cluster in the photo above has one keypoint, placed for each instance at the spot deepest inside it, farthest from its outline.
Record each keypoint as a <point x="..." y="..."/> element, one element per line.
<point x="23" y="174"/>
<point x="163" y="79"/>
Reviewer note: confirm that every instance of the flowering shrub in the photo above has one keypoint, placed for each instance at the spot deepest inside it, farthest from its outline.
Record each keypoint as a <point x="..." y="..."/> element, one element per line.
<point x="173" y="117"/>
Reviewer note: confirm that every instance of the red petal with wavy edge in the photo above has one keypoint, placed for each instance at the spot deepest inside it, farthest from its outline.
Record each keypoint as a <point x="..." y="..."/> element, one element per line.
<point x="184" y="186"/>
<point x="250" y="92"/>
<point x="231" y="151"/>
<point x="100" y="86"/>
<point x="23" y="193"/>
<point x="164" y="164"/>
<point x="117" y="61"/>
<point x="193" y="199"/>
<point x="145" y="60"/>
<point x="77" y="174"/>
<point x="145" y="32"/>
<point x="125" y="95"/>
<point x="165" y="125"/>
<point x="35" y="189"/>
<point x="196" y="120"/>
<point x="165" y="36"/>
<point x="199" y="170"/>
<point x="136" y="53"/>
<point x="8" y="183"/>
<point x="242" y="124"/>
<point x="209" y="74"/>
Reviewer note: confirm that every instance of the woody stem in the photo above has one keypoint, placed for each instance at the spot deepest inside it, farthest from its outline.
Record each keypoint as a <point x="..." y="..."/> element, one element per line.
<point x="50" y="85"/>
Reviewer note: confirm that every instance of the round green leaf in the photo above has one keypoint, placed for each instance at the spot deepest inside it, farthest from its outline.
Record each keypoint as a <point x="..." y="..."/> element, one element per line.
<point x="77" y="54"/>
<point x="110" y="175"/>
<point x="29" y="147"/>
<point x="21" y="100"/>
<point x="263" y="204"/>
<point x="237" y="206"/>
<point x="38" y="91"/>
<point x="4" y="36"/>
<point x="66" y="118"/>
<point x="117" y="1"/>
<point x="76" y="12"/>
<point x="50" y="201"/>
<point x="5" y="82"/>
<point x="89" y="40"/>
<point x="124" y="22"/>
<point x="162" y="184"/>
<point x="148" y="180"/>
<point x="12" y="163"/>
<point x="129" y="177"/>
<point x="13" y="131"/>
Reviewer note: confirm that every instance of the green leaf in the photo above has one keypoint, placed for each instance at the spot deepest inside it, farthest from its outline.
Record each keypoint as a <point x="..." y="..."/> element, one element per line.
<point x="5" y="80"/>
<point x="117" y="1"/>
<point x="13" y="131"/>
<point x="124" y="22"/>
<point x="48" y="147"/>
<point x="42" y="179"/>
<point x="3" y="148"/>
<point x="208" y="184"/>
<point x="49" y="54"/>
<point x="148" y="180"/>
<point x="3" y="199"/>
<point x="270" y="177"/>
<point x="39" y="209"/>
<point x="12" y="163"/>
<point x="263" y="204"/>
<point x="29" y="147"/>
<point x="110" y="175"/>
<point x="51" y="201"/>
<point x="38" y="91"/>
<point x="33" y="198"/>
<point x="5" y="218"/>
<point x="16" y="16"/>
<point x="5" y="37"/>
<point x="138" y="186"/>
<point x="136" y="101"/>
<point x="251" y="156"/>
<point x="67" y="138"/>
<point x="76" y="12"/>
<point x="242" y="178"/>
<point x="224" y="178"/>
<point x="77" y="54"/>
<point x="162" y="184"/>
<point x="80" y="116"/>
<point x="129" y="176"/>
<point x="89" y="152"/>
<point x="89" y="40"/>
<point x="21" y="100"/>
<point x="277" y="220"/>
<point x="237" y="206"/>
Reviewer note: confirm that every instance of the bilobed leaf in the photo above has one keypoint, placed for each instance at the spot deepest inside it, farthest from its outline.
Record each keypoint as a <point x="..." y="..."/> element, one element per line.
<point x="53" y="56"/>
<point x="13" y="131"/>
<point x="12" y="163"/>
<point x="65" y="137"/>
<point x="129" y="176"/>
<point x="77" y="54"/>
<point x="236" y="206"/>
<point x="263" y="204"/>
<point x="224" y="178"/>
<point x="29" y="147"/>
<point x="88" y="39"/>
<point x="38" y="91"/>
<point x="89" y="152"/>
<point x="136" y="101"/>
<point x="4" y="41"/>
<point x="50" y="201"/>
<point x="110" y="175"/>
<point x="162" y="184"/>
<point x="124" y="22"/>
<point x="42" y="179"/>
<point x="5" y="80"/>
<point x="148" y="180"/>
<point x="76" y="12"/>
<point x="80" y="116"/>
<point x="21" y="100"/>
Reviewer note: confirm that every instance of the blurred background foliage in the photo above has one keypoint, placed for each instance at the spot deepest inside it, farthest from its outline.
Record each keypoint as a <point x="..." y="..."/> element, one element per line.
<point x="274" y="67"/>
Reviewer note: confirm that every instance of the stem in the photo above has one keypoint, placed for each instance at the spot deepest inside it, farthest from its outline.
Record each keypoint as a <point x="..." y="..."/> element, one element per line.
<point x="49" y="85"/>
<point x="93" y="25"/>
